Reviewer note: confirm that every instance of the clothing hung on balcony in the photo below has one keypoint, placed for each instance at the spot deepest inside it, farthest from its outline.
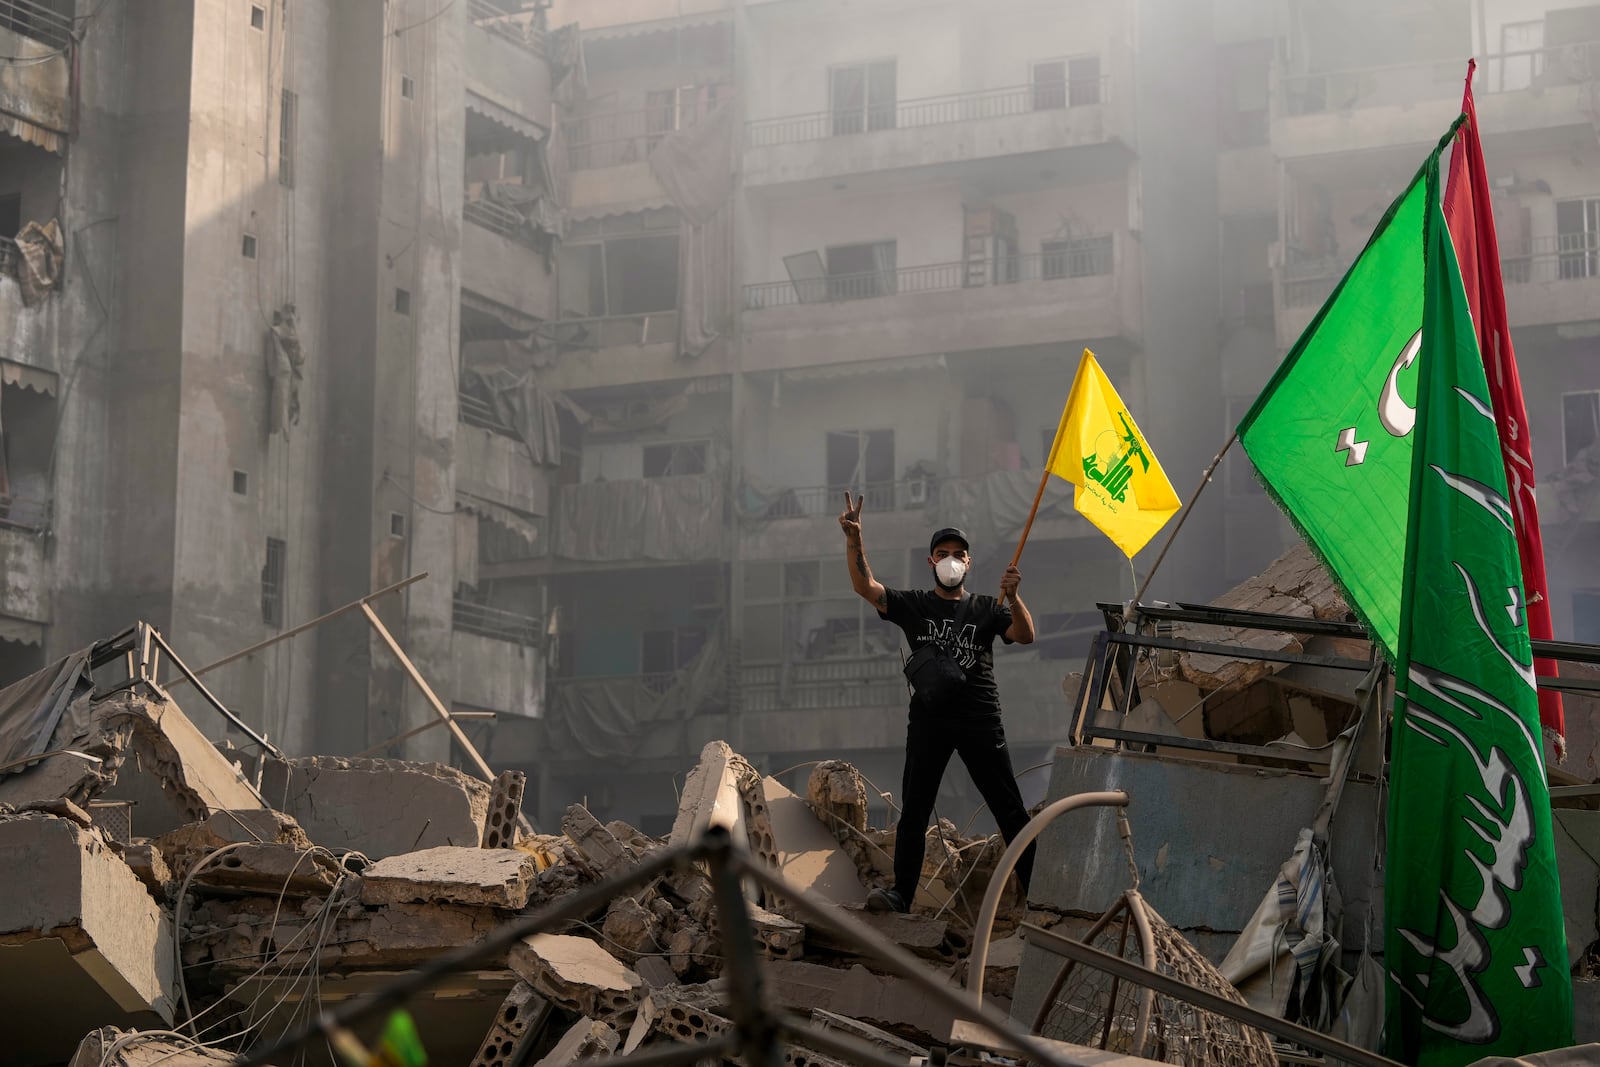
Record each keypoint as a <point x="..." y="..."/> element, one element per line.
<point x="675" y="518"/>
<point x="39" y="254"/>
<point x="695" y="167"/>
<point x="638" y="716"/>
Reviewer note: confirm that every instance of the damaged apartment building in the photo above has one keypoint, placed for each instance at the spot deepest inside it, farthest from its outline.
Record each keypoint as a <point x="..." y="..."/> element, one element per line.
<point x="591" y="311"/>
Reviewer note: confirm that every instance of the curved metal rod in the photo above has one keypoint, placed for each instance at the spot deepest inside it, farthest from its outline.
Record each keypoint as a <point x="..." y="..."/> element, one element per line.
<point x="978" y="959"/>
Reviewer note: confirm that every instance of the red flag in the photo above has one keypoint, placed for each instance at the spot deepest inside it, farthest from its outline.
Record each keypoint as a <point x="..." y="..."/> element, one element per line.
<point x="1468" y="212"/>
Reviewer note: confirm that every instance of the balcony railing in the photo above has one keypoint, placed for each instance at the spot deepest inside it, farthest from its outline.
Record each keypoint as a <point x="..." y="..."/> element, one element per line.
<point x="496" y="21"/>
<point x="1564" y="257"/>
<point x="815" y="500"/>
<point x="871" y="682"/>
<point x="1408" y="83"/>
<point x="494" y="623"/>
<point x="1083" y="258"/>
<point x="23" y="513"/>
<point x="612" y="331"/>
<point x="654" y="684"/>
<point x="983" y="105"/>
<point x="496" y="217"/>
<point x="474" y="411"/>
<point x="36" y="21"/>
<point x="616" y="138"/>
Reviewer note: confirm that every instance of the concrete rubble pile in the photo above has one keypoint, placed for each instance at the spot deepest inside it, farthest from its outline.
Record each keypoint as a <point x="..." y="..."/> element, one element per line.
<point x="252" y="897"/>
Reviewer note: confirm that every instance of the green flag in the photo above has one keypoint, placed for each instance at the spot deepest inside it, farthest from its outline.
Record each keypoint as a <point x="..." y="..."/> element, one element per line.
<point x="1405" y="501"/>
<point x="1330" y="435"/>
<point x="1476" y="944"/>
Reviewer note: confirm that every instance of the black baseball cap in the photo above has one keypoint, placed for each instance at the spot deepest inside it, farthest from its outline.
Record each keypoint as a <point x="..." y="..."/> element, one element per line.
<point x="949" y="533"/>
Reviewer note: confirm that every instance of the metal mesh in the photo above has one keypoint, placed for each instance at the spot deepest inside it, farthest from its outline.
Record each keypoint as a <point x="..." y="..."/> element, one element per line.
<point x="1088" y="1007"/>
<point x="115" y="817"/>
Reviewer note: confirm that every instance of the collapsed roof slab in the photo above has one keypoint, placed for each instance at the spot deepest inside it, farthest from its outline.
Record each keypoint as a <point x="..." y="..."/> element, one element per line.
<point x="171" y="758"/>
<point x="380" y="807"/>
<point x="82" y="944"/>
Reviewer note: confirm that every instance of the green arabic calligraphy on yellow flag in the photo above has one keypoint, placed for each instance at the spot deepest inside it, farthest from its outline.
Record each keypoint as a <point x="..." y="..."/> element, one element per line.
<point x="1098" y="448"/>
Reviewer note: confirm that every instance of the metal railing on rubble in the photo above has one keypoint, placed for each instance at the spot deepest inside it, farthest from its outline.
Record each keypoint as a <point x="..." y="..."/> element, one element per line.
<point x="494" y="623"/>
<point x="493" y="19"/>
<point x="37" y="21"/>
<point x="1084" y="257"/>
<point x="616" y="138"/>
<point x="979" y="106"/>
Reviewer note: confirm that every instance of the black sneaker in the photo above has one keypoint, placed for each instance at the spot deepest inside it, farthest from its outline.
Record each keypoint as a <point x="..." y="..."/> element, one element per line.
<point x="882" y="900"/>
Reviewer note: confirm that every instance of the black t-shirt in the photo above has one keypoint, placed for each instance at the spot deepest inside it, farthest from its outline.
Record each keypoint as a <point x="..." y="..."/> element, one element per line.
<point x="965" y="628"/>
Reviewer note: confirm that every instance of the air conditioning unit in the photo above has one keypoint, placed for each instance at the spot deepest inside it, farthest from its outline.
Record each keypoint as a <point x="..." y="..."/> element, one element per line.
<point x="917" y="491"/>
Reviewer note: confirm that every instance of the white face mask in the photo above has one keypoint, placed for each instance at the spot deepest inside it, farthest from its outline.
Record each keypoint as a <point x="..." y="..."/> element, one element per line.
<point x="951" y="572"/>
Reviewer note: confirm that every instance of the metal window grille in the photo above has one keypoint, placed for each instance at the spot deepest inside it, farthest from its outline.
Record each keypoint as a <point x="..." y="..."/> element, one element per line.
<point x="272" y="579"/>
<point x="288" y="116"/>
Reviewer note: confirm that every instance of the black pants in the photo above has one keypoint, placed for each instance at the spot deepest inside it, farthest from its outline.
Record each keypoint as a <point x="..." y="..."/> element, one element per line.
<point x="981" y="742"/>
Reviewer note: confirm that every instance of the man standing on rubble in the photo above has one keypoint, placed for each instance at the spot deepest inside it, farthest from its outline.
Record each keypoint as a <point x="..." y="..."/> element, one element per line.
<point x="955" y="706"/>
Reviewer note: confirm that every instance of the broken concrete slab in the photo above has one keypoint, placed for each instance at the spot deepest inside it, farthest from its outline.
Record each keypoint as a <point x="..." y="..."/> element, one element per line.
<point x="271" y="868"/>
<point x="807" y="853"/>
<point x="517" y="1026"/>
<point x="263" y="826"/>
<point x="82" y="944"/>
<point x="146" y="861"/>
<point x="857" y="992"/>
<point x="61" y="808"/>
<point x="601" y="852"/>
<point x="827" y="1020"/>
<point x="168" y="750"/>
<point x="711" y="794"/>
<point x="918" y="934"/>
<point x="379" y="807"/>
<point x="631" y="930"/>
<point x="586" y="1038"/>
<point x="497" y="878"/>
<point x="135" y="1049"/>
<point x="575" y="973"/>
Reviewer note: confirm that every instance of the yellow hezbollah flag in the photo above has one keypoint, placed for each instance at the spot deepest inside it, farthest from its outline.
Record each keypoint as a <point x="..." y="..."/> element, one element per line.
<point x="1098" y="448"/>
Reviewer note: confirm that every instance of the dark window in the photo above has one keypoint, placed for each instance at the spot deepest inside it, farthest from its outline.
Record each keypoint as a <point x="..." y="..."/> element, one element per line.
<point x="248" y="248"/>
<point x="27" y="446"/>
<point x="1083" y="81"/>
<point x="402" y="301"/>
<point x="241" y="482"/>
<point x="408" y="86"/>
<point x="665" y="651"/>
<point x="1049" y="84"/>
<point x="863" y="462"/>
<point x="272" y="576"/>
<point x="857" y="272"/>
<point x="679" y="457"/>
<point x="10" y="214"/>
<point x="1580" y="423"/>
<point x="397" y="524"/>
<point x="288" y="115"/>
<point x="620" y="276"/>
<point x="863" y="97"/>
<point x="258" y="17"/>
<point x="1076" y="257"/>
<point x="1578" y="237"/>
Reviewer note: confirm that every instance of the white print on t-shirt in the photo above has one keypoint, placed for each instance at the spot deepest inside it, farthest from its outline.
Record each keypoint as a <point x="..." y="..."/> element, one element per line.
<point x="963" y="646"/>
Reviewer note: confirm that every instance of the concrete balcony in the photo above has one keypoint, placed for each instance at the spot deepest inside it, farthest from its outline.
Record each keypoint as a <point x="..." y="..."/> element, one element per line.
<point x="24" y="569"/>
<point x="1538" y="93"/>
<point x="1559" y="281"/>
<point x="499" y="261"/>
<point x="608" y="167"/>
<point x="1084" y="128"/>
<point x="612" y="350"/>
<point x="35" y="88"/>
<point x="636" y="16"/>
<point x="497" y="665"/>
<point x="506" y="70"/>
<point x="492" y="463"/>
<point x="1085" y="295"/>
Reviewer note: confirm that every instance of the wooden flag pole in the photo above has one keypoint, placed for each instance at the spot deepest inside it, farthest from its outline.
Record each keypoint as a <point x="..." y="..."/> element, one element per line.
<point x="1037" y="496"/>
<point x="1205" y="479"/>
